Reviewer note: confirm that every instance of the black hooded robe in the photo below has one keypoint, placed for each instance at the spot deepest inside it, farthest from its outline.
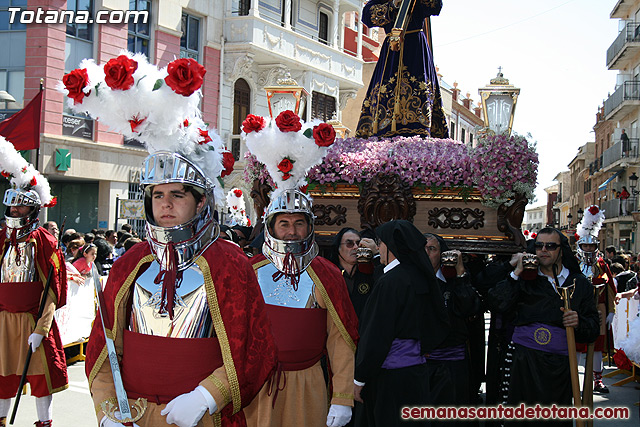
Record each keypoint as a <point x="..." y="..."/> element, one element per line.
<point x="405" y="304"/>
<point x="539" y="377"/>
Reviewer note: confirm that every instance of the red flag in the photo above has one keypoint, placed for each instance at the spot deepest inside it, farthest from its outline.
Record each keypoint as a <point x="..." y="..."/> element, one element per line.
<point x="23" y="128"/>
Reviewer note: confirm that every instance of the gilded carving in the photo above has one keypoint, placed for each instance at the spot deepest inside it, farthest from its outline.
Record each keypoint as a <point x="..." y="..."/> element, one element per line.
<point x="324" y="213"/>
<point x="383" y="199"/>
<point x="456" y="218"/>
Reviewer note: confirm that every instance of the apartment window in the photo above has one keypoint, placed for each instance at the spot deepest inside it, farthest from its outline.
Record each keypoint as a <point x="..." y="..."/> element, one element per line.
<point x="245" y="5"/>
<point x="81" y="31"/>
<point x="470" y="138"/>
<point x="322" y="106"/>
<point x="283" y="6"/>
<point x="323" y="28"/>
<point x="5" y="15"/>
<point x="241" y="105"/>
<point x="12" y="81"/>
<point x="190" y="40"/>
<point x="452" y="131"/>
<point x="462" y="132"/>
<point x="139" y="33"/>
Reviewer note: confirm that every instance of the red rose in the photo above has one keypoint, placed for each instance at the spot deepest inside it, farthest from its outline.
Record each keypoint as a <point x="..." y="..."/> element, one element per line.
<point x="185" y="76"/>
<point x="253" y="123"/>
<point x="235" y="208"/>
<point x="74" y="82"/>
<point x="227" y="163"/>
<point x="526" y="232"/>
<point x="534" y="235"/>
<point x="286" y="176"/>
<point x="288" y="121"/>
<point x="324" y="134"/>
<point x="304" y="188"/>
<point x="577" y="236"/>
<point x="119" y="72"/>
<point x="185" y="123"/>
<point x="594" y="210"/>
<point x="285" y="166"/>
<point x="249" y="222"/>
<point x="6" y="174"/>
<point x="205" y="134"/>
<point x="33" y="182"/>
<point x="237" y="192"/>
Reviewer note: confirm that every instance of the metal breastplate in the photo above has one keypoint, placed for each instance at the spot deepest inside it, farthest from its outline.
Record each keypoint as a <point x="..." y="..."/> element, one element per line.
<point x="586" y="270"/>
<point x="281" y="292"/>
<point x="191" y="316"/>
<point x="22" y="271"/>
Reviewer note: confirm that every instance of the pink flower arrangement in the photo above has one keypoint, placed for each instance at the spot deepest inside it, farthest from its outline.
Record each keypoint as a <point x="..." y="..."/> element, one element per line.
<point x="499" y="167"/>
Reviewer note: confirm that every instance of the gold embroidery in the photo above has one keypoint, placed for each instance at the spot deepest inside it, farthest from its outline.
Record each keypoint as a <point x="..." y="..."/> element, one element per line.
<point x="331" y="309"/>
<point x="221" y="332"/>
<point x="262" y="263"/>
<point x="380" y="14"/>
<point x="217" y="419"/>
<point x="223" y="390"/>
<point x="110" y="333"/>
<point x="343" y="395"/>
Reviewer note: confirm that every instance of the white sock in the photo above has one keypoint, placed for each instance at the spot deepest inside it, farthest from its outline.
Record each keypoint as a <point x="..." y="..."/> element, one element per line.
<point x="5" y="404"/>
<point x="597" y="361"/>
<point x="43" y="407"/>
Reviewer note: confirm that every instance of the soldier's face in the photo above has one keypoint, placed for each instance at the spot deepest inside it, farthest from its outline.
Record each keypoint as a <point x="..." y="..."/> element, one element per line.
<point x="19" y="211"/>
<point x="291" y="226"/>
<point x="172" y="205"/>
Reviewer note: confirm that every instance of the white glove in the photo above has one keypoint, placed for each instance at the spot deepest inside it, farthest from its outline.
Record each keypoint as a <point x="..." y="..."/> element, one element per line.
<point x="187" y="409"/>
<point x="106" y="422"/>
<point x="609" y="319"/>
<point x="339" y="415"/>
<point x="35" y="340"/>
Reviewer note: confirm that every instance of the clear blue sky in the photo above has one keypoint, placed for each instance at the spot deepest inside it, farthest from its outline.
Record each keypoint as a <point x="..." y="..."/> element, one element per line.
<point x="553" y="50"/>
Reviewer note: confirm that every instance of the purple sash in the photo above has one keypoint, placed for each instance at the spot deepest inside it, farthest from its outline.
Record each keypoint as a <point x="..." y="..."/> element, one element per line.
<point x="403" y="353"/>
<point x="448" y="353"/>
<point x="539" y="336"/>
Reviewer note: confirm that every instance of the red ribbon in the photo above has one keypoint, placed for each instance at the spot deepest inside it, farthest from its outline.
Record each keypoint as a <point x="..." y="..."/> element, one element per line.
<point x="292" y="269"/>
<point x="168" y="278"/>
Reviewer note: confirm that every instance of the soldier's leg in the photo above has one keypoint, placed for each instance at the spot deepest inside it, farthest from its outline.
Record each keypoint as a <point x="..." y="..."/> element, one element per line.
<point x="43" y="408"/>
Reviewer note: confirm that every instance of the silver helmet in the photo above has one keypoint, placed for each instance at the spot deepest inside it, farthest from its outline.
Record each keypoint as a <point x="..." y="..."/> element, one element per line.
<point x="191" y="238"/>
<point x="290" y="257"/>
<point x="587" y="257"/>
<point x="27" y="223"/>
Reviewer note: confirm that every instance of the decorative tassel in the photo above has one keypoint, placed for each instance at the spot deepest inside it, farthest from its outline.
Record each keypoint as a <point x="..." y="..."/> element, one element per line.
<point x="292" y="271"/>
<point x="168" y="278"/>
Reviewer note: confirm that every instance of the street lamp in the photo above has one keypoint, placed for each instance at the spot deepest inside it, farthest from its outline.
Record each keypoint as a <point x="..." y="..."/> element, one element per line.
<point x="6" y="97"/>
<point x="287" y="94"/>
<point x="569" y="217"/>
<point x="580" y="213"/>
<point x="499" y="104"/>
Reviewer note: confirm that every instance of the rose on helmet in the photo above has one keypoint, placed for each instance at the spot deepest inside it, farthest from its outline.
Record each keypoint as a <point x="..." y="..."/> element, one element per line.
<point x="237" y="192"/>
<point x="324" y="134"/>
<point x="285" y="165"/>
<point x="74" y="82"/>
<point x="185" y="76"/>
<point x="594" y="210"/>
<point x="288" y="121"/>
<point x="227" y="162"/>
<point x="119" y="72"/>
<point x="253" y="123"/>
<point x="205" y="135"/>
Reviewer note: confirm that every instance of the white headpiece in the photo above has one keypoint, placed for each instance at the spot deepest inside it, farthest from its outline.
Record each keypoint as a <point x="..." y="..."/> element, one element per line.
<point x="591" y="222"/>
<point x="235" y="203"/>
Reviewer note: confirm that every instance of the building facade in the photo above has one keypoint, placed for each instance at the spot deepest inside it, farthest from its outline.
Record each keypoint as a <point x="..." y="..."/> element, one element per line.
<point x="244" y="46"/>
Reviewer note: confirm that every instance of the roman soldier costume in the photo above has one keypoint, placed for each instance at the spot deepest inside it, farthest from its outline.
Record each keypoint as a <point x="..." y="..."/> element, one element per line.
<point x="594" y="267"/>
<point x="28" y="253"/>
<point x="306" y="296"/>
<point x="171" y="299"/>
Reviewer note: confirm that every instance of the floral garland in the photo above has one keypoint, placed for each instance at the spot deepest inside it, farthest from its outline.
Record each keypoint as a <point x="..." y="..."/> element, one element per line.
<point x="499" y="167"/>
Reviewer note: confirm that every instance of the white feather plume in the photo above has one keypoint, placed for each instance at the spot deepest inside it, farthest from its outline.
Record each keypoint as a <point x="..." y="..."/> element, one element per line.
<point x="237" y="206"/>
<point x="591" y="224"/>
<point x="22" y="172"/>
<point x="170" y="121"/>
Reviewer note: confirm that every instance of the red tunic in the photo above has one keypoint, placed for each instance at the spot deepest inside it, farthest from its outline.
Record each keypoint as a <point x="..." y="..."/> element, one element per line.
<point x="244" y="337"/>
<point x="19" y="304"/>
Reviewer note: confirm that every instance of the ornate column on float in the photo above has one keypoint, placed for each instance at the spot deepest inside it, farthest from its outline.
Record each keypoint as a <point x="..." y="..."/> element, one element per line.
<point x="499" y="104"/>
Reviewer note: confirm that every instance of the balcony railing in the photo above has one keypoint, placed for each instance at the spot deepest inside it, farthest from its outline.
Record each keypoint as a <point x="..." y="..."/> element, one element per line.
<point x="628" y="91"/>
<point x="630" y="33"/>
<point x="619" y="151"/>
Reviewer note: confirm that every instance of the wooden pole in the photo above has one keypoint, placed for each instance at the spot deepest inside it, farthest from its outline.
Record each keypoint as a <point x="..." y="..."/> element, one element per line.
<point x="573" y="361"/>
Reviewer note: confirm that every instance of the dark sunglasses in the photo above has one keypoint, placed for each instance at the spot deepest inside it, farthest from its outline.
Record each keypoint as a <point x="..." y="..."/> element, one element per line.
<point x="351" y="243"/>
<point x="551" y="246"/>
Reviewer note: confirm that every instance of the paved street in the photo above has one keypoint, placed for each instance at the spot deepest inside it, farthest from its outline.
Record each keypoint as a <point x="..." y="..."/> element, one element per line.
<point x="74" y="406"/>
